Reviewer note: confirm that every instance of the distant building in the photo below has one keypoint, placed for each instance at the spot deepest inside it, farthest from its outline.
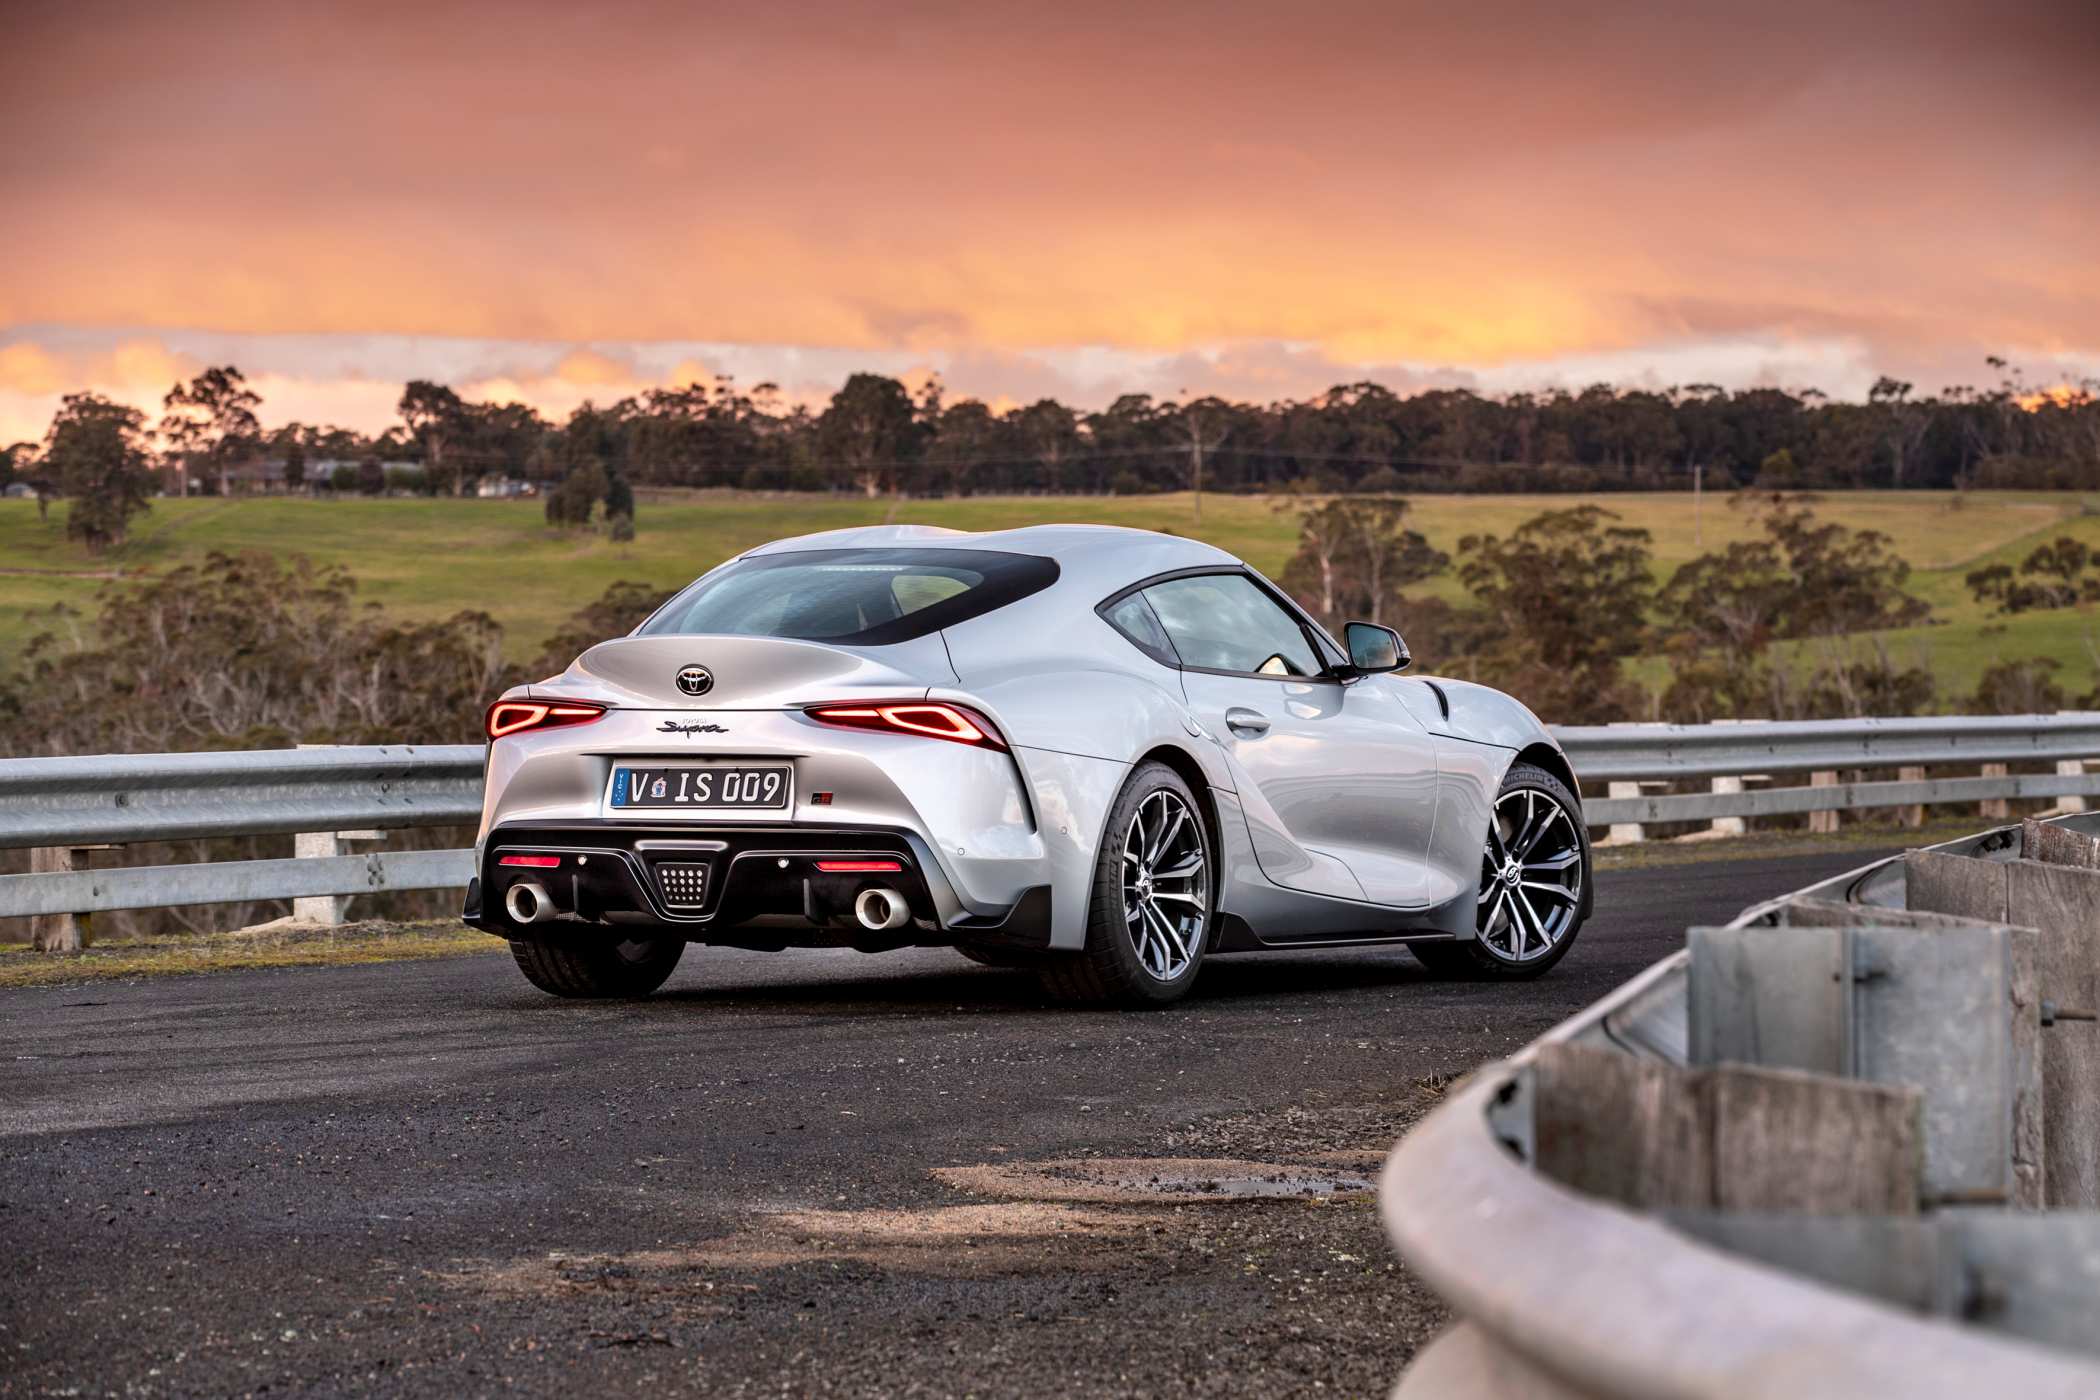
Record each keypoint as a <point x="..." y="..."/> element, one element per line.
<point x="497" y="487"/>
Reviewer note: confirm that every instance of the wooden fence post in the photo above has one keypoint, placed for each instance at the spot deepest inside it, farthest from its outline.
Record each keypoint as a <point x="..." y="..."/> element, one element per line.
<point x="57" y="933"/>
<point x="1823" y="823"/>
<point x="1996" y="808"/>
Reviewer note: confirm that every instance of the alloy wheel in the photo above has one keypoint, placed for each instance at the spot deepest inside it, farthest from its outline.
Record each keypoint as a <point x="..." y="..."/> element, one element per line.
<point x="1530" y="876"/>
<point x="1166" y="884"/>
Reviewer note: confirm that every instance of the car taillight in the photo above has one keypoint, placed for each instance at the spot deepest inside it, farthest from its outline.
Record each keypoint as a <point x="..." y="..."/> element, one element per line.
<point x="932" y="721"/>
<point x="518" y="716"/>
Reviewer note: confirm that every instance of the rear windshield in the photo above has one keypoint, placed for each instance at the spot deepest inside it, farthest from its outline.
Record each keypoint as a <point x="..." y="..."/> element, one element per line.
<point x="855" y="597"/>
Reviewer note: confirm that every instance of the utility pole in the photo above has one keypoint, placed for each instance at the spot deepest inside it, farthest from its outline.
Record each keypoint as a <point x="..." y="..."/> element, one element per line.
<point x="1698" y="500"/>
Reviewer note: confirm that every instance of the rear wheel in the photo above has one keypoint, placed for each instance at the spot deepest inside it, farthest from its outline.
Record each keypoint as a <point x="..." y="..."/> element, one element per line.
<point x="1150" y="913"/>
<point x="1532" y="876"/>
<point x="634" y="968"/>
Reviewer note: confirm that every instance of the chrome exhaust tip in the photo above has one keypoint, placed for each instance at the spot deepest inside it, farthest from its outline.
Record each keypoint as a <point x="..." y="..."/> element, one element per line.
<point x="881" y="910"/>
<point x="527" y="903"/>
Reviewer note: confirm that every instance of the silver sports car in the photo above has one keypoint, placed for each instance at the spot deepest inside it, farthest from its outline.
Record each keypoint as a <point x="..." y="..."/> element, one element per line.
<point x="1101" y="754"/>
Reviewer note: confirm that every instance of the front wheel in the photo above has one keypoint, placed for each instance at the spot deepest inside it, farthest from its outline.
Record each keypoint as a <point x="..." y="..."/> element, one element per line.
<point x="633" y="968"/>
<point x="1532" y="884"/>
<point x="1150" y="913"/>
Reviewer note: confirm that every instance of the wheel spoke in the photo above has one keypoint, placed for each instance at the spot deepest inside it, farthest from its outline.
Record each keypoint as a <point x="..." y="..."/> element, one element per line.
<point x="1571" y="856"/>
<point x="1521" y="842"/>
<point x="1170" y="829"/>
<point x="1188" y="869"/>
<point x="1553" y="814"/>
<point x="1170" y="940"/>
<point x="1538" y="925"/>
<point x="1557" y="891"/>
<point x="1177" y="895"/>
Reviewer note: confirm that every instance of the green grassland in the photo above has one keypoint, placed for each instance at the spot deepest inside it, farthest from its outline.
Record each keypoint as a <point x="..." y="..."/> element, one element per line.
<point x="429" y="558"/>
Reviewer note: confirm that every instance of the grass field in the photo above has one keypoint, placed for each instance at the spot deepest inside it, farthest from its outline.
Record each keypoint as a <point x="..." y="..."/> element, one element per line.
<point x="433" y="557"/>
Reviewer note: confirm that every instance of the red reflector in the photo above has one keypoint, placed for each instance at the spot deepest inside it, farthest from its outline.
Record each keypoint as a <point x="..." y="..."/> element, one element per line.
<point x="536" y="862"/>
<point x="860" y="867"/>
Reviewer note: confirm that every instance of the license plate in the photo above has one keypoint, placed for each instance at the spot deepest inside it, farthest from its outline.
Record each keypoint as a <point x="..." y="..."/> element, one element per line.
<point x="715" y="785"/>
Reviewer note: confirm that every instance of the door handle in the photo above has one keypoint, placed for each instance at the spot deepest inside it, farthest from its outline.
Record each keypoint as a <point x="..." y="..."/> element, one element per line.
<point x="1253" y="721"/>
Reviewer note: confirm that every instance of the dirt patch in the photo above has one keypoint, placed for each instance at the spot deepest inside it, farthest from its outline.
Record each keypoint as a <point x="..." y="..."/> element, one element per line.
<point x="1149" y="1180"/>
<point x="965" y="1241"/>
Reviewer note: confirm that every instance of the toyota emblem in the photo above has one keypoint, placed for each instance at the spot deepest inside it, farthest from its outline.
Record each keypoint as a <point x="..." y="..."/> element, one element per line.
<point x="695" y="680"/>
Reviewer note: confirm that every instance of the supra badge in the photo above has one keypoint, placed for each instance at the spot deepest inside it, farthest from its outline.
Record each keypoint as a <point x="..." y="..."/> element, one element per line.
<point x="672" y="726"/>
<point x="695" y="680"/>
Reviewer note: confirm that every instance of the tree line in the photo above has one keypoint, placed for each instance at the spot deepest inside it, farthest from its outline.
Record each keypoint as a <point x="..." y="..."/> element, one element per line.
<point x="1767" y="628"/>
<point x="878" y="437"/>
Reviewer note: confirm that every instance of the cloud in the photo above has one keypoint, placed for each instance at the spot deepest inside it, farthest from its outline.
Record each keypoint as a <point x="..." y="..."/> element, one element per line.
<point x="1368" y="182"/>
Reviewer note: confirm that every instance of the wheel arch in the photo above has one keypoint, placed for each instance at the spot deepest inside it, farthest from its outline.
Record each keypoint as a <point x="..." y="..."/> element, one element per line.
<point x="1551" y="759"/>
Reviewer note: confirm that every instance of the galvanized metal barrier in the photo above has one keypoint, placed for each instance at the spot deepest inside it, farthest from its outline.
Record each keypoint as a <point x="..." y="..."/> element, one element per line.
<point x="1620" y="759"/>
<point x="67" y="804"/>
<point x="1806" y="1157"/>
<point x="125" y="799"/>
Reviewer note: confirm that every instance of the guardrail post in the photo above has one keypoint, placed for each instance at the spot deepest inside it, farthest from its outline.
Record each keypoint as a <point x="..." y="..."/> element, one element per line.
<point x="1729" y="826"/>
<point x="1824" y="823"/>
<point x="321" y="908"/>
<point x="1623" y="832"/>
<point x="2063" y="902"/>
<point x="2070" y="768"/>
<point x="58" y="933"/>
<point x="1996" y="808"/>
<point x="1870" y="996"/>
<point x="324" y="908"/>
<point x="1913" y="815"/>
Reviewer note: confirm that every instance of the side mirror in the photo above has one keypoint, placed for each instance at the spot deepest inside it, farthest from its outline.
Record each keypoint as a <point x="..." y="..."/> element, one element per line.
<point x="1374" y="649"/>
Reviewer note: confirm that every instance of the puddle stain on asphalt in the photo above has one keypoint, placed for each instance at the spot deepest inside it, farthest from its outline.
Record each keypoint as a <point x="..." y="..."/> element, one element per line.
<point x="1061" y="1216"/>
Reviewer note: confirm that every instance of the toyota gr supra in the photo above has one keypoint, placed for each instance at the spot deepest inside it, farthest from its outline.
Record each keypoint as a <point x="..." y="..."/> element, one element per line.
<point x="1101" y="754"/>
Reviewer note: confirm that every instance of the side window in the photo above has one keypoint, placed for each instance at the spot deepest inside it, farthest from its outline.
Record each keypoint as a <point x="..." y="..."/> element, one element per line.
<point x="1133" y="618"/>
<point x="1223" y="622"/>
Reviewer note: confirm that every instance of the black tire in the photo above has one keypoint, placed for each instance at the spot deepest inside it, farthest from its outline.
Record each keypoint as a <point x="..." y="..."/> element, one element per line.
<point x="1110" y="969"/>
<point x="600" y="968"/>
<point x="1484" y="959"/>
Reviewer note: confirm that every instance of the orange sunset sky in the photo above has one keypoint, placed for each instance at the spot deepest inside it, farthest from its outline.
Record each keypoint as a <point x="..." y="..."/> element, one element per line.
<point x="559" y="201"/>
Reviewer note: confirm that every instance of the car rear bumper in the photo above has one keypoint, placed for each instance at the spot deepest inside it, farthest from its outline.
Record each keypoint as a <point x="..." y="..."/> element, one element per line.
<point x="752" y="885"/>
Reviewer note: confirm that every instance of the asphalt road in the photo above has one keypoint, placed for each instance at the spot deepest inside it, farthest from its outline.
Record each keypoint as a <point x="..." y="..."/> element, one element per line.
<point x="427" y="1178"/>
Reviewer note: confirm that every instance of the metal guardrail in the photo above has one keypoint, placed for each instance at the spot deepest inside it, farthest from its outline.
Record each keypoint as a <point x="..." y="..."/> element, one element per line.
<point x="121" y="799"/>
<point x="117" y="799"/>
<point x="1620" y="758"/>
<point x="1561" y="1293"/>
<point x="126" y="799"/>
